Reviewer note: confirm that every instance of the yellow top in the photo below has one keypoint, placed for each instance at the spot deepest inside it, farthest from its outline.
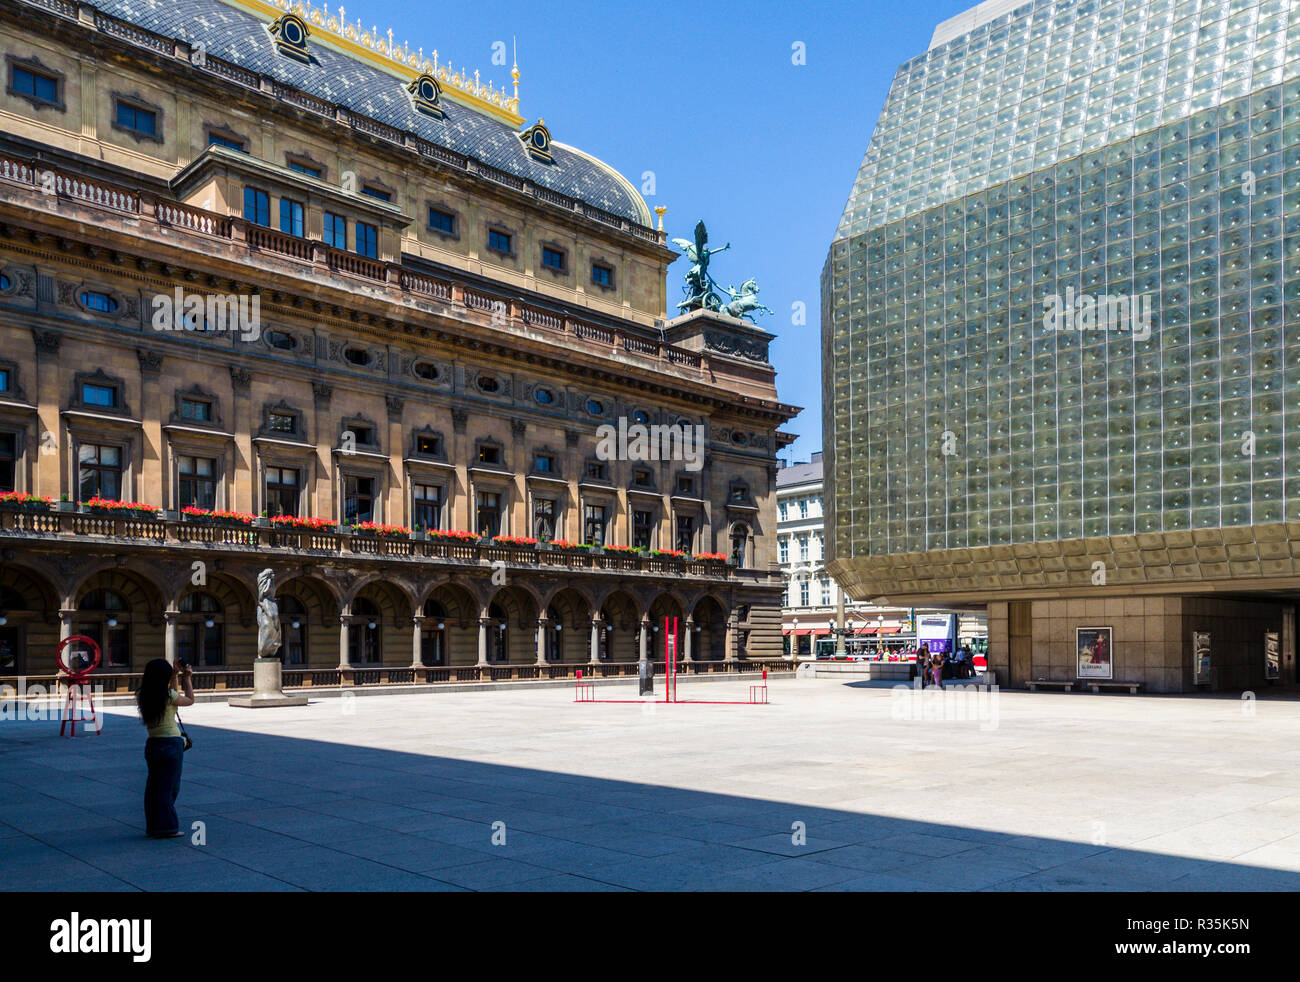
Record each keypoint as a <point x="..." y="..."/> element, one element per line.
<point x="167" y="726"/>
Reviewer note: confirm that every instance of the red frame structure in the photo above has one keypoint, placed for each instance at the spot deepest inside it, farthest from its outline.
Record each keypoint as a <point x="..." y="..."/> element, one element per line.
<point x="78" y="689"/>
<point x="586" y="691"/>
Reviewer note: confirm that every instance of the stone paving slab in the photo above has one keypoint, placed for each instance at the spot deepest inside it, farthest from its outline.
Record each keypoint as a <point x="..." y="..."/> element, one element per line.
<point x="830" y="787"/>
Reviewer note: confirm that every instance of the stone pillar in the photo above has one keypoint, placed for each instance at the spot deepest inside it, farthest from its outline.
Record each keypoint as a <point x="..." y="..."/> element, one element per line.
<point x="839" y="623"/>
<point x="543" y="625"/>
<point x="169" y="635"/>
<point x="66" y="617"/>
<point x="689" y="649"/>
<point x="483" y="623"/>
<point x="729" y="649"/>
<point x="595" y="640"/>
<point x="644" y="639"/>
<point x="417" y="636"/>
<point x="345" y="622"/>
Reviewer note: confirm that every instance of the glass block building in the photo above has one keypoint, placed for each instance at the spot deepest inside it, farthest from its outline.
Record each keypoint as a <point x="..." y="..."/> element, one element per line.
<point x="1061" y="331"/>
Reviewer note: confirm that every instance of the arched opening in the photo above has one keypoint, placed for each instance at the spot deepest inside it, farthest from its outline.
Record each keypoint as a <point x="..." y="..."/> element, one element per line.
<point x="620" y="629"/>
<point x="459" y="623"/>
<point x="433" y="634"/>
<point x="512" y="626"/>
<point x="104" y="616"/>
<point x="364" y="633"/>
<point x="200" y="631"/>
<point x="569" y="627"/>
<point x="710" y="630"/>
<point x="12" y="607"/>
<point x="293" y="629"/>
<point x="666" y="608"/>
<point x="498" y="634"/>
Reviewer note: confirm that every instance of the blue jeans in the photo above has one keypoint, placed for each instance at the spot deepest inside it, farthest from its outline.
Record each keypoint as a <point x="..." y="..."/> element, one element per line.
<point x="165" y="757"/>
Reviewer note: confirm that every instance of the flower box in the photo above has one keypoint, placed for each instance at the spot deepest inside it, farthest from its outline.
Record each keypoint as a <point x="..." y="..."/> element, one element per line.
<point x="119" y="509"/>
<point x="378" y="530"/>
<point x="22" y="501"/>
<point x="513" y="540"/>
<point x="669" y="554"/>
<point x="294" y="523"/>
<point x="456" y="535"/>
<point x="204" y="516"/>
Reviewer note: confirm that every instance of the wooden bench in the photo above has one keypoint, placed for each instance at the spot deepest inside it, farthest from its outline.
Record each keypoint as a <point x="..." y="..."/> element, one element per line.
<point x="1046" y="684"/>
<point x="1132" y="687"/>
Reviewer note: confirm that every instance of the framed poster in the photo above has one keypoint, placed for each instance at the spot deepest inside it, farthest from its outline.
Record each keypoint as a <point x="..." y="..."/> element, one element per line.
<point x="1272" y="655"/>
<point x="1200" y="657"/>
<point x="1094" y="651"/>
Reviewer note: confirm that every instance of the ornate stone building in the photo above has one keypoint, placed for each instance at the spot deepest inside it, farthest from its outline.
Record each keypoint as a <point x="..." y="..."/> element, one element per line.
<point x="257" y="261"/>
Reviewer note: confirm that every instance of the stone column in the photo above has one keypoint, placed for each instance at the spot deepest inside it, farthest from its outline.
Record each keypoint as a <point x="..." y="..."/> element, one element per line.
<point x="595" y="640"/>
<point x="169" y="635"/>
<point x="688" y="651"/>
<point x="483" y="623"/>
<point x="345" y="622"/>
<point x="543" y="625"/>
<point x="417" y="636"/>
<point x="66" y="617"/>
<point x="644" y="639"/>
<point x="839" y="623"/>
<point x="729" y="649"/>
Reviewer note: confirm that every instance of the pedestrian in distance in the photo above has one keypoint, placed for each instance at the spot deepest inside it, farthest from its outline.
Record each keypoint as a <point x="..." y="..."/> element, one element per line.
<point x="162" y="689"/>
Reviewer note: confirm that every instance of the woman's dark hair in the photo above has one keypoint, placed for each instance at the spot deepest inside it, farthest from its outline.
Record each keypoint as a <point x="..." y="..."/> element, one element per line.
<point x="152" y="696"/>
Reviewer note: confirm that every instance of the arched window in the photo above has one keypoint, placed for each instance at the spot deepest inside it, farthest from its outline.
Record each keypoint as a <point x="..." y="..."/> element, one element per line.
<point x="739" y="539"/>
<point x="104" y="616"/>
<point x="364" y="634"/>
<point x="293" y="629"/>
<point x="433" y="636"/>
<point x="554" y="641"/>
<point x="200" y="631"/>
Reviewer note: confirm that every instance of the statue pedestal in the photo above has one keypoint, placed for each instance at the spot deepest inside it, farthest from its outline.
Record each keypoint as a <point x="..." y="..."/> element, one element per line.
<point x="267" y="689"/>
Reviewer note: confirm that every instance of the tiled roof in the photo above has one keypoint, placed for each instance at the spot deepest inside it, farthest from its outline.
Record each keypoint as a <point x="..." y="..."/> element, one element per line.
<point x="233" y="35"/>
<point x="804" y="473"/>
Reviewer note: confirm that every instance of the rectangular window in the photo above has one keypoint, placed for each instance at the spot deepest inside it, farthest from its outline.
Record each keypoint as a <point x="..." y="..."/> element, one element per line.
<point x="282" y="487"/>
<point x="137" y="119"/>
<point x="685" y="533"/>
<point x="367" y="240"/>
<point x="302" y="168"/>
<point x="596" y="470"/>
<point x="291" y="214"/>
<point x="543" y="463"/>
<point x="826" y="592"/>
<point x="500" y="241"/>
<point x="358" y="499"/>
<point x="334" y="231"/>
<point x="686" y="485"/>
<point x="8" y="461"/>
<point x="442" y="221"/>
<point x="489" y="513"/>
<point x="602" y="275"/>
<point x="98" y="395"/>
<point x="784" y="548"/>
<point x="257" y="207"/>
<point x="543" y="519"/>
<point x="488" y="454"/>
<point x="196" y="409"/>
<point x="783" y="510"/>
<point x="374" y="192"/>
<point x="34" y="84"/>
<point x="428" y="506"/>
<point x="429" y="445"/>
<point x="803" y="507"/>
<point x="643" y="523"/>
<point x="4" y="379"/>
<point x="197" y="482"/>
<point x="642" y="478"/>
<point x="552" y="258"/>
<point x="282" y="423"/>
<point x="803" y="548"/>
<point x="216" y="140"/>
<point x="362" y="435"/>
<point x="99" y="472"/>
<point x="593" y="528"/>
<point x="803" y="593"/>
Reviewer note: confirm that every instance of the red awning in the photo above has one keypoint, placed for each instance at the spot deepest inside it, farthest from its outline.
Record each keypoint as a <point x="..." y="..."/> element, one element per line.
<point x="821" y="631"/>
<point x="890" y="630"/>
<point x="865" y="630"/>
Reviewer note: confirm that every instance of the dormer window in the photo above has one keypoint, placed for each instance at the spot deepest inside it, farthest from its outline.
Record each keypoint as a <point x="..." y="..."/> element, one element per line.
<point x="290" y="33"/>
<point x="426" y="95"/>
<point x="537" y="141"/>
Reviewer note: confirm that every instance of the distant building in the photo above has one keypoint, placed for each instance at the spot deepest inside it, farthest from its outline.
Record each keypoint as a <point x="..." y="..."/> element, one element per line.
<point x="812" y="597"/>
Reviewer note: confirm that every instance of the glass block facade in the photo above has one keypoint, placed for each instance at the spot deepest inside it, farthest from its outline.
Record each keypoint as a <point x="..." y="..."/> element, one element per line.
<point x="1138" y="150"/>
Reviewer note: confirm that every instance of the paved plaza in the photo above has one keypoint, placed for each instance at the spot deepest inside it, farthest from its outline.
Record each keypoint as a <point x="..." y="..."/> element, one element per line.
<point x="832" y="786"/>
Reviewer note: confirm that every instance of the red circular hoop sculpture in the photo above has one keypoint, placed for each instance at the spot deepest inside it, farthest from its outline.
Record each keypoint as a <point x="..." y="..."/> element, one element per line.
<point x="79" y="698"/>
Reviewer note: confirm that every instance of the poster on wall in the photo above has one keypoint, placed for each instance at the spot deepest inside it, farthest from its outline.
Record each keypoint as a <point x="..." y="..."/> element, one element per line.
<point x="1094" y="652"/>
<point x="1272" y="655"/>
<point x="1200" y="657"/>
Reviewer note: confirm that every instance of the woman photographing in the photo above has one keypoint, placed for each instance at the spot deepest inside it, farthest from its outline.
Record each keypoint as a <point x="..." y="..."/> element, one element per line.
<point x="162" y="690"/>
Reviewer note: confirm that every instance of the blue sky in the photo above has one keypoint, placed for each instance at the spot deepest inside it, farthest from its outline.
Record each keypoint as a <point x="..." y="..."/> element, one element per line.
<point x="707" y="97"/>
